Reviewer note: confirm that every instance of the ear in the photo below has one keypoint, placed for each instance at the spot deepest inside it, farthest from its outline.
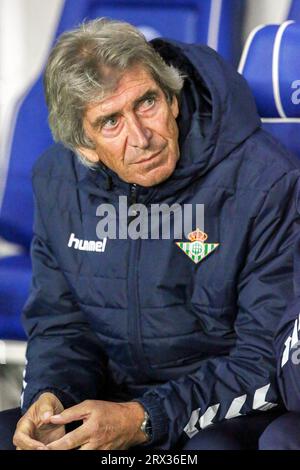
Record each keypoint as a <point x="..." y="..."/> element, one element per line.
<point x="89" y="154"/>
<point x="175" y="107"/>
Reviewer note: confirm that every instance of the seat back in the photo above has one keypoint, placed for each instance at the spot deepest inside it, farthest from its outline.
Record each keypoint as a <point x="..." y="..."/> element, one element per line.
<point x="294" y="13"/>
<point x="271" y="64"/>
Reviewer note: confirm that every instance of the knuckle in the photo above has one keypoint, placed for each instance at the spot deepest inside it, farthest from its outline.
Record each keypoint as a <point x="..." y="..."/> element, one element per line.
<point x="16" y="440"/>
<point x="94" y="428"/>
<point x="68" y="443"/>
<point x="87" y="402"/>
<point x="21" y="420"/>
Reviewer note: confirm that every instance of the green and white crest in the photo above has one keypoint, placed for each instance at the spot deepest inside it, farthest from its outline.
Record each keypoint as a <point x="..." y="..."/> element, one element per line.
<point x="197" y="249"/>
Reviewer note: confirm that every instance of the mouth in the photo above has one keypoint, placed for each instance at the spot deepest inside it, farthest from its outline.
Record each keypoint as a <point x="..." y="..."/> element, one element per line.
<point x="149" y="159"/>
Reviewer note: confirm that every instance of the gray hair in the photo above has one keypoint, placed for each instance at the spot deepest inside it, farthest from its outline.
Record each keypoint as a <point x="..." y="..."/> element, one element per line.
<point x="75" y="74"/>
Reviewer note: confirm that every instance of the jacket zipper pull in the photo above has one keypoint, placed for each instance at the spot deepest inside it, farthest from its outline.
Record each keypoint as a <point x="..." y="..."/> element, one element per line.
<point x="132" y="201"/>
<point x="133" y="195"/>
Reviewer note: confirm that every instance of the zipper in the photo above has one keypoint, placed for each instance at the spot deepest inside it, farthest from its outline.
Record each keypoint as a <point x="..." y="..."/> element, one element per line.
<point x="134" y="329"/>
<point x="133" y="194"/>
<point x="132" y="200"/>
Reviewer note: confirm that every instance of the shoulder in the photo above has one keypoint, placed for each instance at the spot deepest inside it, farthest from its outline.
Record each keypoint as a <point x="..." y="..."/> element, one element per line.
<point x="55" y="176"/>
<point x="57" y="166"/>
<point x="57" y="161"/>
<point x="263" y="161"/>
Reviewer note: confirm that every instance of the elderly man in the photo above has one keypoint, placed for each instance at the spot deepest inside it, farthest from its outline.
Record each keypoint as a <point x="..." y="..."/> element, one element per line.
<point x="140" y="341"/>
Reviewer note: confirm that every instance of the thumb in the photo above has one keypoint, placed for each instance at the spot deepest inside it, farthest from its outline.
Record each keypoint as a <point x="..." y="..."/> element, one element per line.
<point x="74" y="413"/>
<point x="46" y="406"/>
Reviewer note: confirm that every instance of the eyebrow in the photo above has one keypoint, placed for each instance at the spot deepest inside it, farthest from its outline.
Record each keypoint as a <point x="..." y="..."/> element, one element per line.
<point x="152" y="93"/>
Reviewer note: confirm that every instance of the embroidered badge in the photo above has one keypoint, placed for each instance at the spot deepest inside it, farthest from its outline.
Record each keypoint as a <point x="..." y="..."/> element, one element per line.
<point x="196" y="249"/>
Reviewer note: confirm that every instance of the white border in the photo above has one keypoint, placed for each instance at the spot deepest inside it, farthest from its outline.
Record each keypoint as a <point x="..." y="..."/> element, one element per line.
<point x="12" y="352"/>
<point x="214" y="24"/>
<point x="275" y="67"/>
<point x="13" y="106"/>
<point x="281" y="120"/>
<point x="247" y="46"/>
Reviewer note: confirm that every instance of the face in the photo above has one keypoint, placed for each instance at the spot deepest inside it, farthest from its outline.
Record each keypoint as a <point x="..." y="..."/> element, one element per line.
<point x="134" y="130"/>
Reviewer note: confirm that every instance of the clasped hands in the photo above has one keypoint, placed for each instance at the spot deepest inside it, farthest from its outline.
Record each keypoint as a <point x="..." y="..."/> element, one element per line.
<point x="105" y="425"/>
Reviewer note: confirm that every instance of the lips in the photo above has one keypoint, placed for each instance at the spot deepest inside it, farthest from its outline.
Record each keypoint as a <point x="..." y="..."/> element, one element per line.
<point x="148" y="159"/>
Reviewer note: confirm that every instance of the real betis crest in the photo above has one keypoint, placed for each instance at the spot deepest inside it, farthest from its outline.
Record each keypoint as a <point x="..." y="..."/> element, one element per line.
<point x="196" y="249"/>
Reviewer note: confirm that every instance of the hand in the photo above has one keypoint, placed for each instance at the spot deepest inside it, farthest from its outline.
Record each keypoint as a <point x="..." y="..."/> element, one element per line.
<point x="34" y="430"/>
<point x="106" y="426"/>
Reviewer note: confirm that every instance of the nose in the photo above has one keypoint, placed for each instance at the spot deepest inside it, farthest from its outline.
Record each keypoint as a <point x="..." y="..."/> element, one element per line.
<point x="139" y="135"/>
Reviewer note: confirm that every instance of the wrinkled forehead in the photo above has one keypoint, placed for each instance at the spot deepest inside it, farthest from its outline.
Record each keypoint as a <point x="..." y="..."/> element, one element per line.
<point x="128" y="86"/>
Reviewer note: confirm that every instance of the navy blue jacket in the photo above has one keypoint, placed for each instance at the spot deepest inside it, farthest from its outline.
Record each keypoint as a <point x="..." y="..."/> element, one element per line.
<point x="287" y="343"/>
<point x="140" y="320"/>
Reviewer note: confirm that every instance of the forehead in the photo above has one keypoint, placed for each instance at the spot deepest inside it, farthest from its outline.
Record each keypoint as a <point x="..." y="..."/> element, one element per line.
<point x="133" y="83"/>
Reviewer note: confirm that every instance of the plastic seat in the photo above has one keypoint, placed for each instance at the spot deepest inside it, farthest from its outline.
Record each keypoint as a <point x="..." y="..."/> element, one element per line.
<point x="15" y="277"/>
<point x="294" y="12"/>
<point x="271" y="64"/>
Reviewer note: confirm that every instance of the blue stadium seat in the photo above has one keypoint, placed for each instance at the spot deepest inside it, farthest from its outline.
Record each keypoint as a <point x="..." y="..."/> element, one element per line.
<point x="15" y="276"/>
<point x="215" y="22"/>
<point x="271" y="64"/>
<point x="294" y="13"/>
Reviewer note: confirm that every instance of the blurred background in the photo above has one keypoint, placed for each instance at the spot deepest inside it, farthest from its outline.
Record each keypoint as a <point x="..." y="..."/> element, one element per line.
<point x="27" y="31"/>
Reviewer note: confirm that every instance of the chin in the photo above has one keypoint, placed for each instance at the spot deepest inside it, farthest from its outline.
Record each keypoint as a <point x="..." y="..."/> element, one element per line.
<point x="158" y="176"/>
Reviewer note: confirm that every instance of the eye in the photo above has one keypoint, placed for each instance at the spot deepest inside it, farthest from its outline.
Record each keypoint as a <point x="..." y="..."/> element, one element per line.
<point x="110" y="123"/>
<point x="148" y="102"/>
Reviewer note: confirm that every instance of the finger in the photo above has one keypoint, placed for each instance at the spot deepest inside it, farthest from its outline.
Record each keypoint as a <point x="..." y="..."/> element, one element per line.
<point x="24" y="442"/>
<point x="74" y="413"/>
<point x="72" y="439"/>
<point x="45" y="410"/>
<point x="87" y="446"/>
<point x="23" y="436"/>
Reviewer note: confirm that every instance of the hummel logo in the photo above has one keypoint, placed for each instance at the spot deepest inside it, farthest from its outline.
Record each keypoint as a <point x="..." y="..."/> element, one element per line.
<point x="86" y="245"/>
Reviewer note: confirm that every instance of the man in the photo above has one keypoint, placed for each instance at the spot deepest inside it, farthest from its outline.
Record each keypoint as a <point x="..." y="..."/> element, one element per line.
<point x="149" y="341"/>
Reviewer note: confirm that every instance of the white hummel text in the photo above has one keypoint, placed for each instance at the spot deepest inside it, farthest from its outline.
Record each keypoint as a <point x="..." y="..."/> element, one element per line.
<point x="292" y="342"/>
<point x="86" y="245"/>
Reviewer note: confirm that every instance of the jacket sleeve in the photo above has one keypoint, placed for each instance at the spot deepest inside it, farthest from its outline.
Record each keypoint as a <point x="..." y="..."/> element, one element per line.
<point x="63" y="354"/>
<point x="287" y="345"/>
<point x="244" y="381"/>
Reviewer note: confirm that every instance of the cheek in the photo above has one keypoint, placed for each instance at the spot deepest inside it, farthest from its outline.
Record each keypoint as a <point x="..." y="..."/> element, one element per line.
<point x="112" y="152"/>
<point x="168" y="125"/>
<point x="173" y="132"/>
